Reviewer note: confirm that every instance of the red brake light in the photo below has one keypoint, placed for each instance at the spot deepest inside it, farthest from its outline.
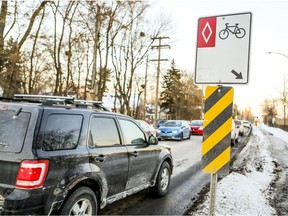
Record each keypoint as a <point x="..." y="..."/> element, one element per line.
<point x="3" y="107"/>
<point x="32" y="174"/>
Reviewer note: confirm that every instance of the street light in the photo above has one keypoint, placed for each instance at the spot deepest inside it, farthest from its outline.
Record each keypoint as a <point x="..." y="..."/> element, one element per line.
<point x="278" y="54"/>
<point x="285" y="94"/>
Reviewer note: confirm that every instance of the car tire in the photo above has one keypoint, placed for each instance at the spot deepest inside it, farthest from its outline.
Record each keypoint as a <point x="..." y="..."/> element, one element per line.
<point x="233" y="142"/>
<point x="82" y="197"/>
<point x="163" y="180"/>
<point x="181" y="137"/>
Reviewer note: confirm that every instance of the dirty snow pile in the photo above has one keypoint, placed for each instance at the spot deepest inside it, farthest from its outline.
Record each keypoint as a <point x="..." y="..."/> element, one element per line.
<point x="246" y="190"/>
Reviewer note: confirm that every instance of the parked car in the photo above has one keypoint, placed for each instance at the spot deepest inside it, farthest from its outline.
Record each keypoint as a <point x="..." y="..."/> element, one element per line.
<point x="196" y="127"/>
<point x="160" y="122"/>
<point x="148" y="128"/>
<point x="60" y="156"/>
<point x="174" y="129"/>
<point x="239" y="124"/>
<point x="234" y="134"/>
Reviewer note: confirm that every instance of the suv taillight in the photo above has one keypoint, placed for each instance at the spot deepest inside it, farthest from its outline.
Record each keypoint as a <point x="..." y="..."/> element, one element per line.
<point x="32" y="174"/>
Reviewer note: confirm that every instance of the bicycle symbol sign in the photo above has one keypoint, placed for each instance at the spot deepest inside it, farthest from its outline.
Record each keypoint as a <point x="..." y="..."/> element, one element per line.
<point x="238" y="32"/>
<point x="223" y="49"/>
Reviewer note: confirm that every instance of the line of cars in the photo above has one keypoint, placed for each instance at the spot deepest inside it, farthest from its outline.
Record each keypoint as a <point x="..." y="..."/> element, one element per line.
<point x="168" y="129"/>
<point x="182" y="129"/>
<point x="178" y="129"/>
<point x="238" y="129"/>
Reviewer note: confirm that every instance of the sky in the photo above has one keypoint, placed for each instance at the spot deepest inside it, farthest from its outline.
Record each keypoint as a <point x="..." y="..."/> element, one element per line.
<point x="269" y="33"/>
<point x="248" y="192"/>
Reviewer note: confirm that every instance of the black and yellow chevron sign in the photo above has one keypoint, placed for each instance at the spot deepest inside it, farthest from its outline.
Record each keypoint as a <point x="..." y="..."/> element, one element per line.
<point x="217" y="130"/>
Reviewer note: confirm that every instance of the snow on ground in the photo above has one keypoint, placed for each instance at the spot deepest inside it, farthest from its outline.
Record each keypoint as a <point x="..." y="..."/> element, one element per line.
<point x="246" y="190"/>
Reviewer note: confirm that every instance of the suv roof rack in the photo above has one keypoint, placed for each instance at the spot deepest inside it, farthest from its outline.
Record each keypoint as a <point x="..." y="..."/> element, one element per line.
<point x="90" y="104"/>
<point x="50" y="100"/>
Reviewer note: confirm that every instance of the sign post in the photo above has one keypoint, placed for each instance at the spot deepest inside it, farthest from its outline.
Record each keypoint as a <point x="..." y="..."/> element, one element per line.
<point x="217" y="135"/>
<point x="222" y="57"/>
<point x="213" y="186"/>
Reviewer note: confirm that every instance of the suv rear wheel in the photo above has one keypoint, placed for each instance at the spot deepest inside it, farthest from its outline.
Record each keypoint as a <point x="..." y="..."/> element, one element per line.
<point x="83" y="201"/>
<point x="163" y="180"/>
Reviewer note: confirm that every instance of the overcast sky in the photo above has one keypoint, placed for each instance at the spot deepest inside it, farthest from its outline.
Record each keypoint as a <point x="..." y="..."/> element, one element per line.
<point x="269" y="33"/>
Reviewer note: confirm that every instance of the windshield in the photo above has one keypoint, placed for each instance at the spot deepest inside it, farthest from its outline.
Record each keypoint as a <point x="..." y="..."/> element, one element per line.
<point x="172" y="124"/>
<point x="237" y="122"/>
<point x="13" y="130"/>
<point x="196" y="123"/>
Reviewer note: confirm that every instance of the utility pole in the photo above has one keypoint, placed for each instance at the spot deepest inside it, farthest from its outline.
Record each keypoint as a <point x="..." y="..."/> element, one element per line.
<point x="96" y="45"/>
<point x="159" y="47"/>
<point x="145" y="88"/>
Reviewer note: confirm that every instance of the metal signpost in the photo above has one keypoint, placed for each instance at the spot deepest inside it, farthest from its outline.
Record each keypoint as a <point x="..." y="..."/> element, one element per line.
<point x="217" y="135"/>
<point x="222" y="57"/>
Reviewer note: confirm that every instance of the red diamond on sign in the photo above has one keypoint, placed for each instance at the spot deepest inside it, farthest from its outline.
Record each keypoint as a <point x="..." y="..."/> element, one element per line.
<point x="207" y="32"/>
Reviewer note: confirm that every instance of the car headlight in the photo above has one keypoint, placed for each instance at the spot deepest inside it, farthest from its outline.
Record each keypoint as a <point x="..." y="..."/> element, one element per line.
<point x="158" y="131"/>
<point x="175" y="131"/>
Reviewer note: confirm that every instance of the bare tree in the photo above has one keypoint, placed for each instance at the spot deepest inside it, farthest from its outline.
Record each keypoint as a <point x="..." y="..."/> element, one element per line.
<point x="8" y="72"/>
<point x="32" y="72"/>
<point x="69" y="76"/>
<point x="103" y="21"/>
<point x="3" y="15"/>
<point x="93" y="23"/>
<point x="58" y="43"/>
<point x="269" y="110"/>
<point x="112" y="21"/>
<point x="101" y="39"/>
<point x="130" y="50"/>
<point x="247" y="114"/>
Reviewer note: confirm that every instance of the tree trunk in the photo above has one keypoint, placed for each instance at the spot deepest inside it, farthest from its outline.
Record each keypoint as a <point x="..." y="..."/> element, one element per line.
<point x="31" y="81"/>
<point x="9" y="89"/>
<point x="3" y="16"/>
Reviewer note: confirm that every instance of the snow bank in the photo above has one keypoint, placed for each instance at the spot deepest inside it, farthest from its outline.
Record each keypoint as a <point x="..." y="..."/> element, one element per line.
<point x="277" y="132"/>
<point x="245" y="191"/>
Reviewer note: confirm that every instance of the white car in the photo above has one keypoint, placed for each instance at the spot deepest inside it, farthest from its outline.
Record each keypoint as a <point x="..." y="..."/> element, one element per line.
<point x="234" y="134"/>
<point x="246" y="124"/>
<point x="239" y="124"/>
<point x="149" y="129"/>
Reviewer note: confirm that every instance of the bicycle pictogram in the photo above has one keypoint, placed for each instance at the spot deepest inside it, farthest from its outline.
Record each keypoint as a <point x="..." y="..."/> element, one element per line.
<point x="233" y="29"/>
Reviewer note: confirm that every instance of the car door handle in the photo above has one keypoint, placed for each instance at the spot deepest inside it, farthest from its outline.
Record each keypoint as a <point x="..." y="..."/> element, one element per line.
<point x="100" y="158"/>
<point x="135" y="153"/>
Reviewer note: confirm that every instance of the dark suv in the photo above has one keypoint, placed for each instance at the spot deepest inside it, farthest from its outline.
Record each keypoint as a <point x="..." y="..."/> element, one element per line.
<point x="60" y="156"/>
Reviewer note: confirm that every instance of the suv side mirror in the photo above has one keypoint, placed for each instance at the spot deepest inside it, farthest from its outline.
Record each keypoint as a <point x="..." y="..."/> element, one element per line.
<point x="152" y="140"/>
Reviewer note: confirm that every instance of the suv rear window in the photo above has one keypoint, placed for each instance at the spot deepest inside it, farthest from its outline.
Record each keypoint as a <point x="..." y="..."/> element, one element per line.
<point x="61" y="132"/>
<point x="13" y="130"/>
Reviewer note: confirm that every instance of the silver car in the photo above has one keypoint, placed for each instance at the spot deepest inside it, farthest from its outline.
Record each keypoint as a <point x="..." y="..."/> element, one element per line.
<point x="234" y="134"/>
